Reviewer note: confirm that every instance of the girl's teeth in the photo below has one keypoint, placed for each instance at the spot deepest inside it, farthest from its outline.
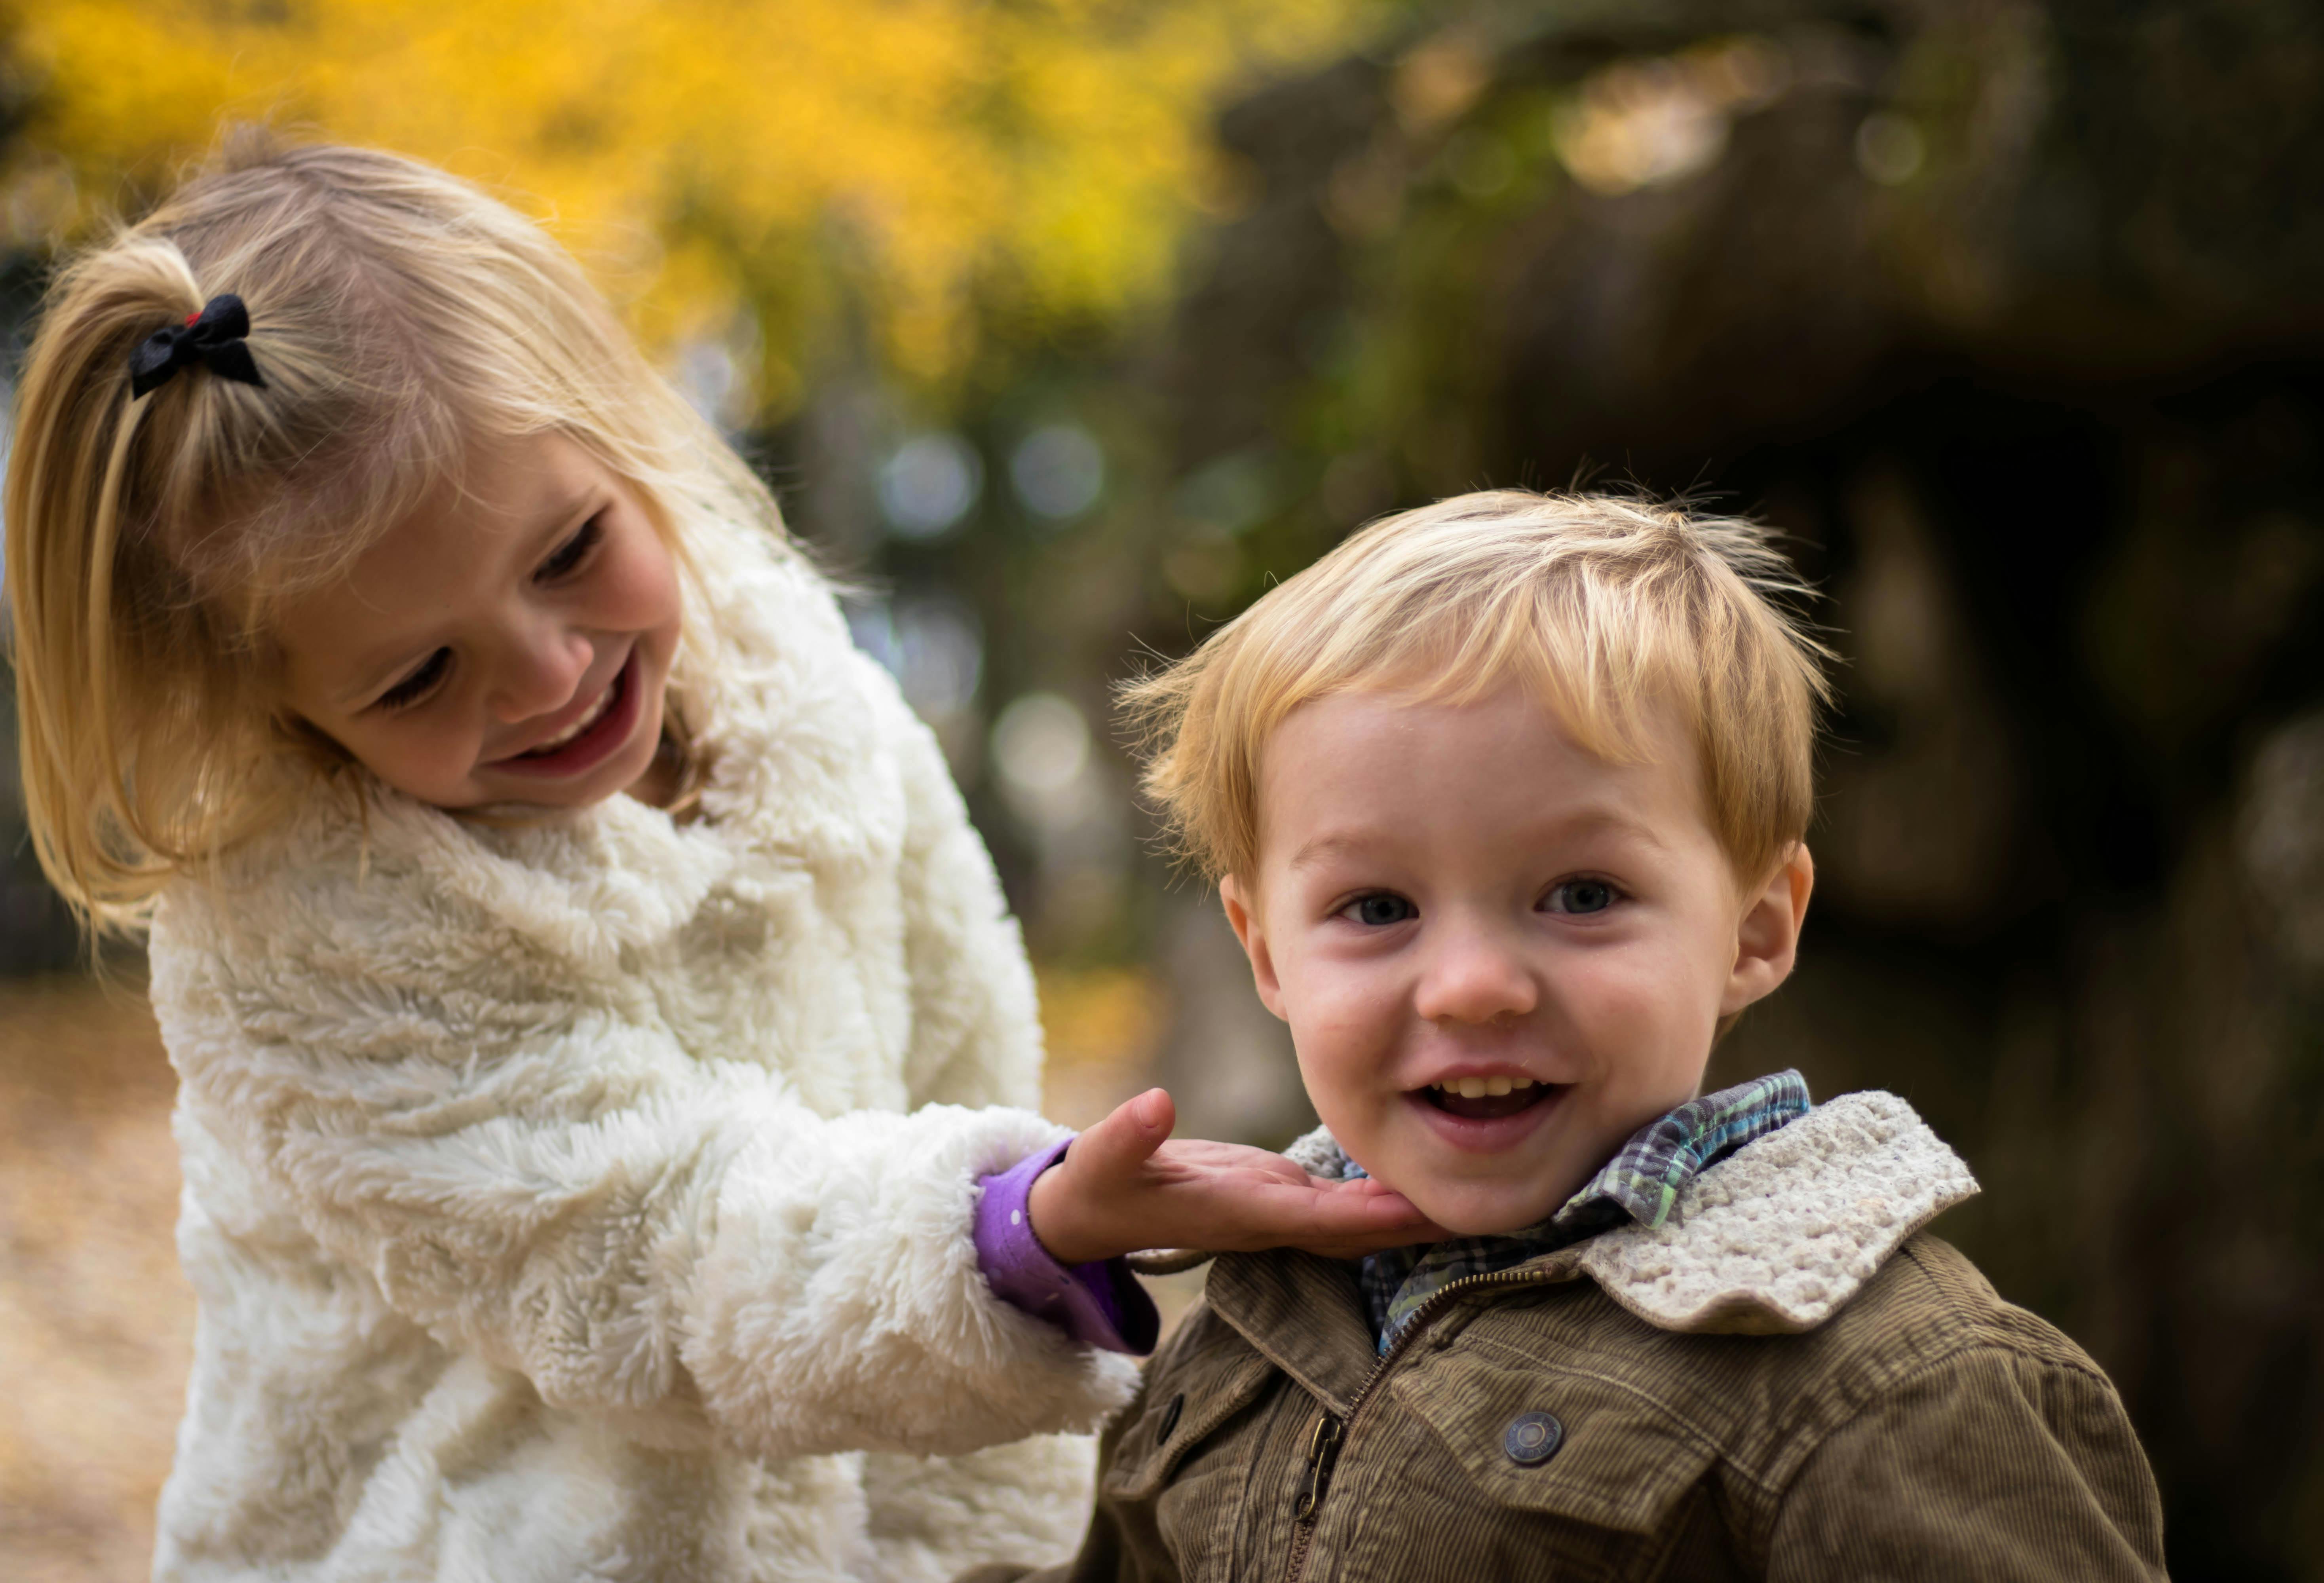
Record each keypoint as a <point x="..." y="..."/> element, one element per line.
<point x="1478" y="1088"/>
<point x="580" y="725"/>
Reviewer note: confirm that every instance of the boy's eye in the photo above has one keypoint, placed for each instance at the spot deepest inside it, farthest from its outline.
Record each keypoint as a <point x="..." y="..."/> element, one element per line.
<point x="419" y="684"/>
<point x="1380" y="909"/>
<point x="568" y="556"/>
<point x="1580" y="896"/>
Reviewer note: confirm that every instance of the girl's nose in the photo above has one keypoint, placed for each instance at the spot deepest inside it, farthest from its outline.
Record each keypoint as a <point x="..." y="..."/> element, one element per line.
<point x="539" y="671"/>
<point x="1473" y="976"/>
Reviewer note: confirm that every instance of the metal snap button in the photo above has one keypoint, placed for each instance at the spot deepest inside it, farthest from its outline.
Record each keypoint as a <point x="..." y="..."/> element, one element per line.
<point x="1170" y="1417"/>
<point x="1533" y="1439"/>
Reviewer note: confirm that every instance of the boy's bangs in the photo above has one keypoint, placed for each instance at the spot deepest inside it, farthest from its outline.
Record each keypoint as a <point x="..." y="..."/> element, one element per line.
<point x="1602" y="666"/>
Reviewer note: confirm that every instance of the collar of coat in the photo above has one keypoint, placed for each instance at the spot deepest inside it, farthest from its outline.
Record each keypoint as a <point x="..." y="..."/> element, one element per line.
<point x="1776" y="1238"/>
<point x="1642" y="1182"/>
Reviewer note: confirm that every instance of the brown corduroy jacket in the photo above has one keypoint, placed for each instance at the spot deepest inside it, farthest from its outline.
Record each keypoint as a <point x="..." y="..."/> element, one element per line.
<point x="1787" y="1382"/>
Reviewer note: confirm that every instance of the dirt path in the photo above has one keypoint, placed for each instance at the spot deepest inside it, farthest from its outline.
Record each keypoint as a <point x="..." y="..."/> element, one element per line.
<point x="96" y="1321"/>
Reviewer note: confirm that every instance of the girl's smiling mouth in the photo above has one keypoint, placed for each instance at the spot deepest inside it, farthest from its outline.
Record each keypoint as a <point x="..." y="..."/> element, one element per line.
<point x="591" y="739"/>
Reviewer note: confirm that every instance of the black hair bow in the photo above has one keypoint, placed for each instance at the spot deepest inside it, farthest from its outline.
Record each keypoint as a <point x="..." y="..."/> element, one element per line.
<point x="212" y="337"/>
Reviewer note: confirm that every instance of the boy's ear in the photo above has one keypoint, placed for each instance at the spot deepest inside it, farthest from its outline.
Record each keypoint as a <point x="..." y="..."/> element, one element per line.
<point x="1246" y="926"/>
<point x="1767" y="939"/>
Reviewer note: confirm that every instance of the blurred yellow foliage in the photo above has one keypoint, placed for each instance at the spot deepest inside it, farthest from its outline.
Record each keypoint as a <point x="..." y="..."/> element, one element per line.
<point x="792" y="167"/>
<point x="1105" y="1017"/>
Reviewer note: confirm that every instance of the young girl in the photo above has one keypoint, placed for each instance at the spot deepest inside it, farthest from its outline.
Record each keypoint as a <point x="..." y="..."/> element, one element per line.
<point x="584" y="985"/>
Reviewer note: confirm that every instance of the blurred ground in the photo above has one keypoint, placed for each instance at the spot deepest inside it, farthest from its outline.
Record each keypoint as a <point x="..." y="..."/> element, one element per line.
<point x="96" y="1323"/>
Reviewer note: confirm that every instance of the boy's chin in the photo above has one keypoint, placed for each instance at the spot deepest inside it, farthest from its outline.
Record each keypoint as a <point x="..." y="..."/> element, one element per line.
<point x="1469" y="1209"/>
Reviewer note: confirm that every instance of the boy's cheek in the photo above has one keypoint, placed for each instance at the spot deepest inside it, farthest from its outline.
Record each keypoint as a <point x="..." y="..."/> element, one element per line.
<point x="1644" y="1012"/>
<point x="1346" y="1020"/>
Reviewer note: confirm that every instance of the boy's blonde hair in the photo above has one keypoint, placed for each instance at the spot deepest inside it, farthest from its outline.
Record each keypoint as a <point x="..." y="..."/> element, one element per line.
<point x="399" y="317"/>
<point x="1607" y="607"/>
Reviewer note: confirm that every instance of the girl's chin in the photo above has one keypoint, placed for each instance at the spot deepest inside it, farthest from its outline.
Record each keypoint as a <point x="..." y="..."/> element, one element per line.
<point x="626" y="765"/>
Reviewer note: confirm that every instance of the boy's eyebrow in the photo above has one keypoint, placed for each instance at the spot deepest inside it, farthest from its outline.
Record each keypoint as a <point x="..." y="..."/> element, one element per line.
<point x="1326" y="846"/>
<point x="1346" y="843"/>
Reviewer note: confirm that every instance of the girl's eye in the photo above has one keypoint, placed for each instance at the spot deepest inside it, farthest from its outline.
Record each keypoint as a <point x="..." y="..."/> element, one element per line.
<point x="1380" y="909"/>
<point x="419" y="684"/>
<point x="1581" y="896"/>
<point x="568" y="556"/>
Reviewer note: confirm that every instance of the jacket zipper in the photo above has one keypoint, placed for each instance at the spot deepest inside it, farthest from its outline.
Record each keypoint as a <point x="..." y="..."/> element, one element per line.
<point x="1330" y="1432"/>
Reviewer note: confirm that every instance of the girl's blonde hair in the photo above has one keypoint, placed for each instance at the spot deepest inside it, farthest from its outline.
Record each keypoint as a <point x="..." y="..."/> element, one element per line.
<point x="398" y="317"/>
<point x="1607" y="607"/>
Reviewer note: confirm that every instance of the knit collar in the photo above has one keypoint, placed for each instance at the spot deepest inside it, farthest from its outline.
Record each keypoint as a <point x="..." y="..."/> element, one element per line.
<point x="1640" y="1184"/>
<point x="1775" y="1239"/>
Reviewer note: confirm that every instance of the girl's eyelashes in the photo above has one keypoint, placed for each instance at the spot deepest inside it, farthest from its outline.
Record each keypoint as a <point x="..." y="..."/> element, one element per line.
<point x="1581" y="896"/>
<point x="567" y="556"/>
<point x="1379" y="909"/>
<point x="417" y="684"/>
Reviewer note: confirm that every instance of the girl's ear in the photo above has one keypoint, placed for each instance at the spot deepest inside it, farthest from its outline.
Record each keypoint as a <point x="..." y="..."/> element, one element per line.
<point x="1768" y="937"/>
<point x="1244" y="919"/>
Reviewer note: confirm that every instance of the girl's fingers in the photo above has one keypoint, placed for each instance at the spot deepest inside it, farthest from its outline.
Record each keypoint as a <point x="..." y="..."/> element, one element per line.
<point x="1328" y="1219"/>
<point x="1365" y="1226"/>
<point x="1126" y="1139"/>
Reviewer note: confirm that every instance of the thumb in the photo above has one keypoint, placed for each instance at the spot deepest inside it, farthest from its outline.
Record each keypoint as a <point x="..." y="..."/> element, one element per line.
<point x="1124" y="1140"/>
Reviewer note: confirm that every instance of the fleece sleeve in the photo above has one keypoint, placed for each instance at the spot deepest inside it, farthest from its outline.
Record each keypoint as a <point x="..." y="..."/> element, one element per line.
<point x="676" y="1243"/>
<point x="1990" y="1465"/>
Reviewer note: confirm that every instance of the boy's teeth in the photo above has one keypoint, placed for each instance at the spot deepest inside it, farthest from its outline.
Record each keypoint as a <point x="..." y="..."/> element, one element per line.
<point x="1495" y="1087"/>
<point x="1478" y="1088"/>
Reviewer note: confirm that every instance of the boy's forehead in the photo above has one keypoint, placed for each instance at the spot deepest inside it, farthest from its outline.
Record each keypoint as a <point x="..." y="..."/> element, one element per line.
<point x="1358" y="770"/>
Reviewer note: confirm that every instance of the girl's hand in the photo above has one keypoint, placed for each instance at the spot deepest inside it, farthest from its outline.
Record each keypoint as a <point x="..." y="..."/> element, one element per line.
<point x="1123" y="1187"/>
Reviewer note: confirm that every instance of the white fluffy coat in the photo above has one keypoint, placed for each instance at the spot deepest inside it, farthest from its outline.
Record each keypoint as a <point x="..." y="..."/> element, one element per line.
<point x="593" y="1200"/>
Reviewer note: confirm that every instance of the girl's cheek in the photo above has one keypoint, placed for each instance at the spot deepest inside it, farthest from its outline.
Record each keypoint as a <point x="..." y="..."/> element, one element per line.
<point x="645" y="584"/>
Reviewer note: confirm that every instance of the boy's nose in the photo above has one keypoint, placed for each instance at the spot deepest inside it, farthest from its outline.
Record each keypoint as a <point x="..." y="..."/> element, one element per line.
<point x="1475" y="976"/>
<point x="539" y="675"/>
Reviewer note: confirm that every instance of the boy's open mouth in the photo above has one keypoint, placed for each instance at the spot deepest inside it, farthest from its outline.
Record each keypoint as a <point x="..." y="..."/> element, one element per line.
<point x="1487" y="1098"/>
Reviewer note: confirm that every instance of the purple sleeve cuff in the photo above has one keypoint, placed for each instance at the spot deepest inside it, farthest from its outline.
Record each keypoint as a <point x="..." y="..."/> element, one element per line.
<point x="1100" y="1304"/>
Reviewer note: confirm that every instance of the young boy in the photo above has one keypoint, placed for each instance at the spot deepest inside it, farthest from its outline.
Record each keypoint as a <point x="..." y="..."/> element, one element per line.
<point x="1505" y="799"/>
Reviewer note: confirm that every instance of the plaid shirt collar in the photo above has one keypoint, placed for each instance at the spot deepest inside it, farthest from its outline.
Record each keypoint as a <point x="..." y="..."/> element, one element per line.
<point x="1641" y="1182"/>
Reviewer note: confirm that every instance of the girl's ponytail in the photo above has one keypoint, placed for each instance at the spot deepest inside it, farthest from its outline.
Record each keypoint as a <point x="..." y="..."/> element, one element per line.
<point x="109" y="650"/>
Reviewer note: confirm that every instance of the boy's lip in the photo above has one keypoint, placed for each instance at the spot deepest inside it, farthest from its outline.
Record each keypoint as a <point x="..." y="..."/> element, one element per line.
<point x="1486" y="1136"/>
<point x="593" y="746"/>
